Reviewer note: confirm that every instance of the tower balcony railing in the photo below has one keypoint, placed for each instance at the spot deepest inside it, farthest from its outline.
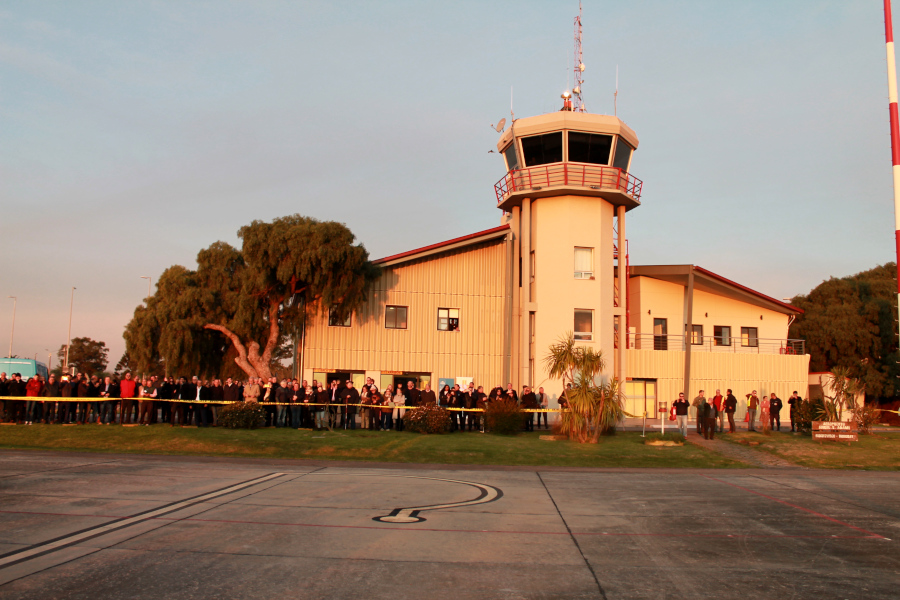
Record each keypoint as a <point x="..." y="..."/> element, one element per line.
<point x="568" y="175"/>
<point x="708" y="343"/>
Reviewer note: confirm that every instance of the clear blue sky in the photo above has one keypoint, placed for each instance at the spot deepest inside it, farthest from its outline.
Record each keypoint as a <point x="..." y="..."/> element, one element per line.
<point x="134" y="134"/>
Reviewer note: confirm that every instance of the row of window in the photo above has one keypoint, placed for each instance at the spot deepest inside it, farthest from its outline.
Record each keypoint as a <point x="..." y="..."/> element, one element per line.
<point x="591" y="148"/>
<point x="395" y="317"/>
<point x="721" y="335"/>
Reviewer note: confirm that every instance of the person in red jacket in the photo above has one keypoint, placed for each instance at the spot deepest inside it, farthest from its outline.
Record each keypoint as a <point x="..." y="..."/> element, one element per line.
<point x="127" y="391"/>
<point x="34" y="410"/>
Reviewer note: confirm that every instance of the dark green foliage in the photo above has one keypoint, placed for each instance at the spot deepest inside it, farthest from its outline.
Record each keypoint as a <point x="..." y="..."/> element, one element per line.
<point x="86" y="355"/>
<point x="239" y="308"/>
<point x="849" y="322"/>
<point x="807" y="412"/>
<point x="427" y="419"/>
<point x="504" y="417"/>
<point x="242" y="415"/>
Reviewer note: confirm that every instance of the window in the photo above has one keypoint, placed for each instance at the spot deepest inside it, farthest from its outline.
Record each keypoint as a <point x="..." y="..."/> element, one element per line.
<point x="660" y="334"/>
<point x="623" y="155"/>
<point x="448" y="319"/>
<point x="512" y="161"/>
<point x="584" y="325"/>
<point x="722" y="335"/>
<point x="395" y="317"/>
<point x="336" y="320"/>
<point x="697" y="335"/>
<point x="589" y="148"/>
<point x="542" y="149"/>
<point x="584" y="263"/>
<point x="750" y="337"/>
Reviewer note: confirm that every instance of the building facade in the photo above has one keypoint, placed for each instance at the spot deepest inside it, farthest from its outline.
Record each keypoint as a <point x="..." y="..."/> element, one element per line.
<point x="486" y="306"/>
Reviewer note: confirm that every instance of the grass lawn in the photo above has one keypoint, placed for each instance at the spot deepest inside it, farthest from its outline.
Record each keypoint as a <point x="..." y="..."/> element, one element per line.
<point x="877" y="452"/>
<point x="622" y="450"/>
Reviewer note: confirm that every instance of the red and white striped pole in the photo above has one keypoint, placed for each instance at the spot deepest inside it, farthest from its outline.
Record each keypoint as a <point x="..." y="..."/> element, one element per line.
<point x="895" y="125"/>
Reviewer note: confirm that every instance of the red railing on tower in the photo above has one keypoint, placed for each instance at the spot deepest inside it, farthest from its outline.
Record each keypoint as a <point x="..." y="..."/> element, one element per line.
<point x="568" y="174"/>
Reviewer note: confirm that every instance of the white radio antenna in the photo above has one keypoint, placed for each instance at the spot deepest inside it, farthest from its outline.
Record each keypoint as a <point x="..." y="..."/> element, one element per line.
<point x="616" y="94"/>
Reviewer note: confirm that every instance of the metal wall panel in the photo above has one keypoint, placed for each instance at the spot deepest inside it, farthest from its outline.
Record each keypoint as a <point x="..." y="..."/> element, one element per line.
<point x="470" y="279"/>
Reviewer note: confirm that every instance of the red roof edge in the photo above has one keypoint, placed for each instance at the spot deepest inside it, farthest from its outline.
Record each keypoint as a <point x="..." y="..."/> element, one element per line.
<point x="441" y="244"/>
<point x="748" y="290"/>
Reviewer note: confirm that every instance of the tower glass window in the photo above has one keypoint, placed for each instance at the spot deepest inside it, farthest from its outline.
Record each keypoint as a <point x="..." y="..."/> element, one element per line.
<point x="542" y="149"/>
<point x="395" y="317"/>
<point x="584" y="325"/>
<point x="697" y="335"/>
<point x="589" y="148"/>
<point x="512" y="161"/>
<point x="623" y="155"/>
<point x="584" y="263"/>
<point x="448" y="319"/>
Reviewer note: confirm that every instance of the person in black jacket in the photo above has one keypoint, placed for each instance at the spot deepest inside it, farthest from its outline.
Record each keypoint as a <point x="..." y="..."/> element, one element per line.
<point x="730" y="407"/>
<point x="412" y="394"/>
<point x="511" y="394"/>
<point x="775" y="405"/>
<point x="709" y="420"/>
<point x="794" y="403"/>
<point x="529" y="401"/>
<point x="349" y="395"/>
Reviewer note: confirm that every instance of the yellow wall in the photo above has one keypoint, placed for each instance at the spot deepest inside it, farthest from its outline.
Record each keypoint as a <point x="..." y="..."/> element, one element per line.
<point x="470" y="279"/>
<point x="743" y="373"/>
<point x="665" y="300"/>
<point x="559" y="224"/>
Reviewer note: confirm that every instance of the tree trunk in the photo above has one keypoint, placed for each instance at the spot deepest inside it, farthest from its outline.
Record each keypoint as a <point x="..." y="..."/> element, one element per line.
<point x="243" y="360"/>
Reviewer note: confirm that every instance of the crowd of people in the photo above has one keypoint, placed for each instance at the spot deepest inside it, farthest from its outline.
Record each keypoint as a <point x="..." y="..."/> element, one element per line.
<point x="712" y="412"/>
<point x="288" y="402"/>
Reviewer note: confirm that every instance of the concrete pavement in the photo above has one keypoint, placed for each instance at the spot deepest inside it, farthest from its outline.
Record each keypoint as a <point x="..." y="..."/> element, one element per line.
<point x="98" y="527"/>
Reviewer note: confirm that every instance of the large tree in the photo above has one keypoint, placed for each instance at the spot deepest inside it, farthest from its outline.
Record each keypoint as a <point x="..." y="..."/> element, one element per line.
<point x="87" y="355"/>
<point x="850" y="322"/>
<point x="241" y="306"/>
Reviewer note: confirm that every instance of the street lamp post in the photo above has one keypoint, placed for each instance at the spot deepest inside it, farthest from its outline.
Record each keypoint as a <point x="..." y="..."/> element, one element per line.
<point x="149" y="284"/>
<point x="13" y="331"/>
<point x="69" y="335"/>
<point x="49" y="360"/>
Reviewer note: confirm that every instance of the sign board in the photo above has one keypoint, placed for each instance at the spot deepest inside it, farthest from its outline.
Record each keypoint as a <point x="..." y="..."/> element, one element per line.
<point x="464" y="382"/>
<point x="836" y="431"/>
<point x="392" y="372"/>
<point x="835" y="436"/>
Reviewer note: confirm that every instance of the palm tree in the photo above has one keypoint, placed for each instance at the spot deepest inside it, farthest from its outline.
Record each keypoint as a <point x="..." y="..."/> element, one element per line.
<point x="594" y="409"/>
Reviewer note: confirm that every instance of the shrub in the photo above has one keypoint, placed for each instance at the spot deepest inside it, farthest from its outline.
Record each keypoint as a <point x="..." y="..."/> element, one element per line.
<point x="865" y="416"/>
<point x="242" y="415"/>
<point x="427" y="419"/>
<point x="504" y="417"/>
<point x="807" y="412"/>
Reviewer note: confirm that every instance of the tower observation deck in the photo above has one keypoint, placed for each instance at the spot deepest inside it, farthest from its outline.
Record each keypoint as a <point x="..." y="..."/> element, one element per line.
<point x="568" y="153"/>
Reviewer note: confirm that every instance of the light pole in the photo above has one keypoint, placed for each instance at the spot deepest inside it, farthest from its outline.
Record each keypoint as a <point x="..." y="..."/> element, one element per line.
<point x="69" y="335"/>
<point x="149" y="284"/>
<point x="49" y="359"/>
<point x="13" y="331"/>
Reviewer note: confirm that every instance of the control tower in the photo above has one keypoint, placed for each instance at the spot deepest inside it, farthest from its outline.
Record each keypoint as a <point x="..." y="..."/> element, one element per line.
<point x="565" y="194"/>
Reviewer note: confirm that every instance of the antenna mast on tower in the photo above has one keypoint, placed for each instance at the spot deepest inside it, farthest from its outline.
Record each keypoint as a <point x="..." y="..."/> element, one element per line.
<point x="579" y="65"/>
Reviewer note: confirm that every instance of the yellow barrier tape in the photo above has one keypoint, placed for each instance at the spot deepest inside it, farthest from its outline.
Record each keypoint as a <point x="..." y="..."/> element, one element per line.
<point x="334" y="404"/>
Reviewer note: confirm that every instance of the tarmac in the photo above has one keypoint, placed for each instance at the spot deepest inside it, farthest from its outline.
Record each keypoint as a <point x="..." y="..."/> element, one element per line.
<point x="78" y="525"/>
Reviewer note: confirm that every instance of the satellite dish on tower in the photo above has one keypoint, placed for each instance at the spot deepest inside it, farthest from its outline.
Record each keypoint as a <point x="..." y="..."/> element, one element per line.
<point x="499" y="126"/>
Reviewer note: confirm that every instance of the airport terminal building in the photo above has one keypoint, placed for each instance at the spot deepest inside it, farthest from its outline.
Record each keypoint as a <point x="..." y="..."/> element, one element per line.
<point x="486" y="306"/>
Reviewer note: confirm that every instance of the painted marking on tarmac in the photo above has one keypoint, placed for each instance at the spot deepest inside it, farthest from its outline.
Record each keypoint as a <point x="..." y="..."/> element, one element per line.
<point x="734" y="536"/>
<point x="804" y="509"/>
<point x="410" y="514"/>
<point x="48" y="546"/>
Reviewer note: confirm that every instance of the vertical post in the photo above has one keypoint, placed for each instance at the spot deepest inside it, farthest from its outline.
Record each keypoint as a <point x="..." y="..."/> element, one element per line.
<point x="525" y="291"/>
<point x="623" y="300"/>
<point x="895" y="123"/>
<point x="688" y="330"/>
<point x="69" y="334"/>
